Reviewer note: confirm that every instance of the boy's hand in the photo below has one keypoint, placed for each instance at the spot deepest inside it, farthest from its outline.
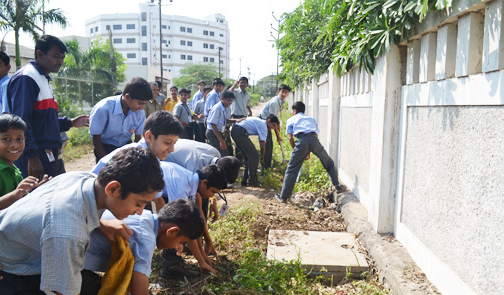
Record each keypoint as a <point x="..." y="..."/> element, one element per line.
<point x="223" y="145"/>
<point x="308" y="157"/>
<point x="44" y="179"/>
<point x="111" y="228"/>
<point x="80" y="121"/>
<point x="214" y="211"/>
<point x="26" y="185"/>
<point x="35" y="167"/>
<point x="204" y="266"/>
<point x="209" y="249"/>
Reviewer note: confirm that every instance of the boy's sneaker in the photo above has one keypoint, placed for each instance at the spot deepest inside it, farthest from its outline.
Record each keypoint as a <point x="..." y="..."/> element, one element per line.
<point x="341" y="188"/>
<point x="277" y="197"/>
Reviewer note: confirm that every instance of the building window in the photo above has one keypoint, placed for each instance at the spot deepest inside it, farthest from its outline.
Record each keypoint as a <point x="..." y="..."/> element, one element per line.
<point x="144" y="61"/>
<point x="205" y="45"/>
<point x="96" y="29"/>
<point x="144" y="46"/>
<point x="182" y="56"/>
<point x="212" y="59"/>
<point x="118" y="41"/>
<point x="189" y="57"/>
<point x="107" y="27"/>
<point x="212" y="33"/>
<point x="130" y="26"/>
<point x="91" y="30"/>
<point x="189" y="30"/>
<point x="205" y="33"/>
<point x="131" y="55"/>
<point x="182" y="29"/>
<point x="221" y="61"/>
<point x="182" y="42"/>
<point x="117" y="27"/>
<point x="212" y="46"/>
<point x="144" y="30"/>
<point x="144" y="16"/>
<point x="222" y="35"/>
<point x="205" y="59"/>
<point x="165" y="56"/>
<point x="189" y="43"/>
<point x="130" y="40"/>
<point x="221" y="21"/>
<point x="169" y="56"/>
<point x="164" y="27"/>
<point x="165" y="41"/>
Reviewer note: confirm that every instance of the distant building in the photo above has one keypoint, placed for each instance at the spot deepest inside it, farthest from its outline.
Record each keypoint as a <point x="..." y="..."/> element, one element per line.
<point x="185" y="40"/>
<point x="26" y="53"/>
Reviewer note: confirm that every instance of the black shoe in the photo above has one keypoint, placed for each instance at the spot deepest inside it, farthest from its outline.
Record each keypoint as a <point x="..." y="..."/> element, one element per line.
<point x="177" y="272"/>
<point x="341" y="188"/>
<point x="254" y="184"/>
<point x="277" y="197"/>
<point x="243" y="183"/>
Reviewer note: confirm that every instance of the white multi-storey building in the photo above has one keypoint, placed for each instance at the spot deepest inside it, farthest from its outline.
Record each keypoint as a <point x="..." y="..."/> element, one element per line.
<point x="184" y="40"/>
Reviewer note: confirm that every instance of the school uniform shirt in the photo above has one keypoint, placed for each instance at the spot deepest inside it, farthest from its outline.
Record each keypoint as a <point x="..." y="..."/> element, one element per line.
<point x="212" y="99"/>
<point x="182" y="111"/>
<point x="300" y="124"/>
<point x="47" y="232"/>
<point x="142" y="243"/>
<point x="108" y="120"/>
<point x="240" y="103"/>
<point x="218" y="116"/>
<point x="197" y="97"/>
<point x="272" y="107"/>
<point x="10" y="177"/>
<point x="199" y="108"/>
<point x="255" y="126"/>
<point x="30" y="96"/>
<point x="160" y="98"/>
<point x="4" y="105"/>
<point x="193" y="155"/>
<point x="180" y="183"/>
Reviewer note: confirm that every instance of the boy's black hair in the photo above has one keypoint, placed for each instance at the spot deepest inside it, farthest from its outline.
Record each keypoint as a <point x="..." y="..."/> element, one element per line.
<point x="45" y="42"/>
<point x="299" y="106"/>
<point x="186" y="215"/>
<point x="215" y="175"/>
<point x="8" y="121"/>
<point x="273" y="119"/>
<point x="118" y="92"/>
<point x="217" y="81"/>
<point x="176" y="88"/>
<point x="163" y="123"/>
<point x="206" y="88"/>
<point x="159" y="84"/>
<point x="136" y="169"/>
<point x="4" y="57"/>
<point x="243" y="78"/>
<point x="231" y="165"/>
<point x="228" y="95"/>
<point x="138" y="88"/>
<point x="183" y="90"/>
<point x="284" y="87"/>
<point x="201" y="81"/>
<point x="154" y="84"/>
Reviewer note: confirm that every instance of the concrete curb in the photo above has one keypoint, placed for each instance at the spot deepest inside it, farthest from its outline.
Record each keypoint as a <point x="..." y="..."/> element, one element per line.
<point x="396" y="269"/>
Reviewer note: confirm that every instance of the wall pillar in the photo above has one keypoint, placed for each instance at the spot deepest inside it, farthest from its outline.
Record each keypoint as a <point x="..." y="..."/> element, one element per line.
<point x="469" y="44"/>
<point x="334" y="109"/>
<point x="313" y="111"/>
<point x="493" y="44"/>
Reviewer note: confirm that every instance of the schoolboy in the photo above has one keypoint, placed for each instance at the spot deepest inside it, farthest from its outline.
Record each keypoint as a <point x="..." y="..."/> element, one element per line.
<point x="115" y="119"/>
<point x="214" y="96"/>
<point x="161" y="97"/>
<point x="152" y="105"/>
<point x="199" y="111"/>
<point x="160" y="133"/>
<point x="182" y="183"/>
<point x="4" y="81"/>
<point x="45" y="235"/>
<point x="199" y="95"/>
<point x="218" y="117"/>
<point x="171" y="101"/>
<point x="183" y="113"/>
<point x="178" y="222"/>
<point x="30" y="96"/>
<point x="12" y="185"/>
<point x="305" y="129"/>
<point x="240" y="107"/>
<point x="273" y="107"/>
<point x="240" y="134"/>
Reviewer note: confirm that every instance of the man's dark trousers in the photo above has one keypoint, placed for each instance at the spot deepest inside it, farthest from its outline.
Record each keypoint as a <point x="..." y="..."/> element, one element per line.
<point x="250" y="154"/>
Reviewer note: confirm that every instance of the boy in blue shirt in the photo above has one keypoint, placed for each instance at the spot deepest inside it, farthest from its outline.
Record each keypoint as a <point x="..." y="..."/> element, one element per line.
<point x="182" y="112"/>
<point x="218" y="117"/>
<point x="4" y="81"/>
<point x="305" y="129"/>
<point x="176" y="223"/>
<point x="45" y="235"/>
<point x="240" y="134"/>
<point x="199" y="95"/>
<point x="199" y="111"/>
<point x="115" y="119"/>
<point x="214" y="96"/>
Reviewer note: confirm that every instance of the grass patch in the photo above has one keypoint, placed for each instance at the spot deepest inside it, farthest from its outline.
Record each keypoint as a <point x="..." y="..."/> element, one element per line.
<point x="78" y="145"/>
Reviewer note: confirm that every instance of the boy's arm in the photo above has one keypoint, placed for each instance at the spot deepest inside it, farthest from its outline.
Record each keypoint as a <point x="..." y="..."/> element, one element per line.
<point x="291" y="140"/>
<point x="160" y="203"/>
<point x="139" y="284"/>
<point x="217" y="134"/>
<point x="98" y="146"/>
<point x="24" y="187"/>
<point x="111" y="228"/>
<point x="193" y="246"/>
<point x="279" y="138"/>
<point x="208" y="241"/>
<point x="262" y="145"/>
<point x="230" y="121"/>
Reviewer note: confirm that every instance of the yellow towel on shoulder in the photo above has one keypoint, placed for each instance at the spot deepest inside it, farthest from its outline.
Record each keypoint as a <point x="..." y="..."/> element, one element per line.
<point x="118" y="276"/>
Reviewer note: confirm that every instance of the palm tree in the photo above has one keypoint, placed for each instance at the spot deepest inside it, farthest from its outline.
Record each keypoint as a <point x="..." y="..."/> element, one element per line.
<point x="25" y="16"/>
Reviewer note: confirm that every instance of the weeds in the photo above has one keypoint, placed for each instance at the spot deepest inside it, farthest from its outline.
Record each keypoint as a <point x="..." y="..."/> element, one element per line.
<point x="79" y="144"/>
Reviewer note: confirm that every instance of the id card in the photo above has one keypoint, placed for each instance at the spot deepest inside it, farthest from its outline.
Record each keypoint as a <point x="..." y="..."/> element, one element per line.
<point x="50" y="155"/>
<point x="223" y="210"/>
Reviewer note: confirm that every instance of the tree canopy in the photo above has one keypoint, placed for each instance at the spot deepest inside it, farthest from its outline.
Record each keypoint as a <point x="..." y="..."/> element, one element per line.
<point x="345" y="33"/>
<point x="191" y="74"/>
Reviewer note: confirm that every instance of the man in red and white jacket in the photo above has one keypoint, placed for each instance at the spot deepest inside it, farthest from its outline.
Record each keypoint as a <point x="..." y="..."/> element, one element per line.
<point x="31" y="97"/>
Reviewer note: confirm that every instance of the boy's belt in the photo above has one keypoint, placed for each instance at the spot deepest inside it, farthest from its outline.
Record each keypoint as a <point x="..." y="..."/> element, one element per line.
<point x="300" y="135"/>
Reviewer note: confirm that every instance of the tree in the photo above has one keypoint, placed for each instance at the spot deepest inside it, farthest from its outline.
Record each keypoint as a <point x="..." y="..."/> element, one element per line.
<point x="192" y="73"/>
<point x="25" y="16"/>
<point x="267" y="86"/>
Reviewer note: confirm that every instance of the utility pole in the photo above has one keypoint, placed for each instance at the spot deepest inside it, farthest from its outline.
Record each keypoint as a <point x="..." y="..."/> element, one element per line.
<point x="276" y="39"/>
<point x="160" y="43"/>
<point x="240" y="66"/>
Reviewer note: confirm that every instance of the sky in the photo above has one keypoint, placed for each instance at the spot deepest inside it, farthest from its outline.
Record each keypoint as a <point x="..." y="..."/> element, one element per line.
<point x="249" y="24"/>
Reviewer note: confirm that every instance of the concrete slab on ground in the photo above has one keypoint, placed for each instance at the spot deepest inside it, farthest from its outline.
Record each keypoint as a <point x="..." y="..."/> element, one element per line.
<point x="333" y="251"/>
